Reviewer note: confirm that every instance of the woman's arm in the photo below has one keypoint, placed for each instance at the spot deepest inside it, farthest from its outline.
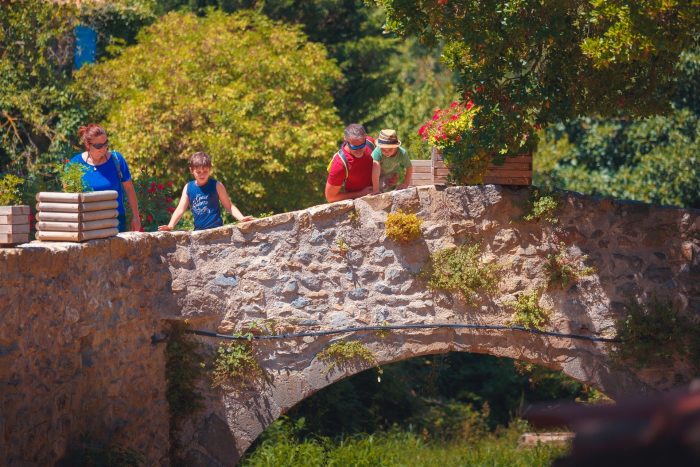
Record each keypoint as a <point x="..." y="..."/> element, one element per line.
<point x="133" y="204"/>
<point x="229" y="206"/>
<point x="179" y="211"/>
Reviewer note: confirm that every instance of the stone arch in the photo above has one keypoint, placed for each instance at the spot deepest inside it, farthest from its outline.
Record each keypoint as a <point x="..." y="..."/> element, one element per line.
<point x="287" y="269"/>
<point x="248" y="413"/>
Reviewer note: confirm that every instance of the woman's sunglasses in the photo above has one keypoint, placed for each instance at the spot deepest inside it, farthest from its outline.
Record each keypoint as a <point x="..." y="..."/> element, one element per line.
<point x="100" y="145"/>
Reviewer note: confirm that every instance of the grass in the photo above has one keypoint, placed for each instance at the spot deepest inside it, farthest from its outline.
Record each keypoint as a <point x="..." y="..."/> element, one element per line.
<point x="397" y="448"/>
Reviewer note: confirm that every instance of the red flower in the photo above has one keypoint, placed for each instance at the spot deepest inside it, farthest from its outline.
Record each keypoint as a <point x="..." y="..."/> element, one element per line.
<point x="421" y="130"/>
<point x="171" y="210"/>
<point x="469" y="105"/>
<point x="436" y="115"/>
<point x="141" y="230"/>
<point x="442" y="2"/>
<point x="169" y="199"/>
<point x="161" y="186"/>
<point x="458" y="138"/>
<point x="149" y="218"/>
<point x="170" y="183"/>
<point x="454" y="104"/>
<point x="65" y="161"/>
<point x="454" y="117"/>
<point x="152" y="189"/>
<point x="479" y="88"/>
<point x="153" y="184"/>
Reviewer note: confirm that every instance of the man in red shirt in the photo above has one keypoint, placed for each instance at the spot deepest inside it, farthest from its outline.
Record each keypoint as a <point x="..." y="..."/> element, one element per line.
<point x="357" y="176"/>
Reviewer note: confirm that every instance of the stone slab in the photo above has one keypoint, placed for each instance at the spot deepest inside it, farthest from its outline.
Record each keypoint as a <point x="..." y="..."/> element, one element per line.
<point x="75" y="236"/>
<point x="14" y="228"/>
<point x="14" y="219"/>
<point x="77" y="226"/>
<point x="14" y="210"/>
<point x="559" y="438"/>
<point x="91" y="197"/>
<point x="77" y="207"/>
<point x="13" y="239"/>
<point x="49" y="216"/>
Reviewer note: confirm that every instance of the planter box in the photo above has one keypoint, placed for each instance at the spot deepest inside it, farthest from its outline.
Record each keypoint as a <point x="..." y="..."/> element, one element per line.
<point x="516" y="170"/>
<point x="14" y="225"/>
<point x="76" y="217"/>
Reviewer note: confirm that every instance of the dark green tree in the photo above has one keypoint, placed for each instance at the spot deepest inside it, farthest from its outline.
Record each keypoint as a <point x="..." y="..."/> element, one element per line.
<point x="654" y="159"/>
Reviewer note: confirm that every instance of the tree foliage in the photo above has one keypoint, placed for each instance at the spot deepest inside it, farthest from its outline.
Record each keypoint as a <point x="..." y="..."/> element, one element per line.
<point x="37" y="115"/>
<point x="252" y="93"/>
<point x="655" y="159"/>
<point x="532" y="62"/>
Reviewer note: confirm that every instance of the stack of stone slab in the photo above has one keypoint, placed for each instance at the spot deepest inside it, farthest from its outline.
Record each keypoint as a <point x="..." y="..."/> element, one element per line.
<point x="14" y="225"/>
<point x="76" y="217"/>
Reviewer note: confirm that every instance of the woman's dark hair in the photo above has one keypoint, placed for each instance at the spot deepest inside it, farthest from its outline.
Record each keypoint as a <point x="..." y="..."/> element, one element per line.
<point x="200" y="159"/>
<point x="89" y="132"/>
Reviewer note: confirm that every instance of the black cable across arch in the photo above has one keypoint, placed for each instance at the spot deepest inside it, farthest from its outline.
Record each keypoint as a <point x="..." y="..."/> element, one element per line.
<point x="392" y="327"/>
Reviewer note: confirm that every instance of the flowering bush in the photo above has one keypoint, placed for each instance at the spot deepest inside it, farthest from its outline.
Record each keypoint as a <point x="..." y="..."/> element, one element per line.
<point x="466" y="137"/>
<point x="447" y="126"/>
<point x="156" y="201"/>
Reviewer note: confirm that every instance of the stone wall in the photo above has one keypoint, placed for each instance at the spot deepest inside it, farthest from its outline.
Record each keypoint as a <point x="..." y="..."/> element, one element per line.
<point x="75" y="351"/>
<point x="75" y="348"/>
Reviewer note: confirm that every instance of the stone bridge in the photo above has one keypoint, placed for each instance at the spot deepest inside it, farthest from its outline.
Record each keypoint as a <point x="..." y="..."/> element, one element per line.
<point x="75" y="339"/>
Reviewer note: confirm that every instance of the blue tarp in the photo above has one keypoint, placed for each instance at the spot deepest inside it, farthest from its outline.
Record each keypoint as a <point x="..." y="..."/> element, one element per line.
<point x="85" y="45"/>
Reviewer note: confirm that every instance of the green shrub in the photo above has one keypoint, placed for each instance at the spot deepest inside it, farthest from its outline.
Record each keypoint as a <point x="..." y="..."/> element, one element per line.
<point x="235" y="365"/>
<point x="11" y="190"/>
<point x="343" y="354"/>
<point x="156" y="200"/>
<point x="543" y="206"/>
<point x="654" y="333"/>
<point x="403" y="227"/>
<point x="528" y="313"/>
<point x="562" y="269"/>
<point x="459" y="269"/>
<point x="72" y="178"/>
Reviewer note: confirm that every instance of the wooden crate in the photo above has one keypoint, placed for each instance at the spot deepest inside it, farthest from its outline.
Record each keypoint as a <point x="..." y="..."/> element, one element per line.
<point x="14" y="225"/>
<point x="76" y="217"/>
<point x="516" y="170"/>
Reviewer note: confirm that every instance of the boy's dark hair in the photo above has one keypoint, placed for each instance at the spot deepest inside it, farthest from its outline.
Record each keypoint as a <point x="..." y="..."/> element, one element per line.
<point x="200" y="159"/>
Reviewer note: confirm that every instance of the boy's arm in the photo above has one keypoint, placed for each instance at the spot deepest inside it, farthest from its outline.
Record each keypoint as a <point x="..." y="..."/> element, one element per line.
<point x="376" y="170"/>
<point x="408" y="179"/>
<point x="179" y="211"/>
<point x="229" y="206"/>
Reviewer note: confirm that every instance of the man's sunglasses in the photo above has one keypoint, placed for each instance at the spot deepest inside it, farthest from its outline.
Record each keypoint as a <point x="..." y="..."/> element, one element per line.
<point x="100" y="145"/>
<point x="359" y="146"/>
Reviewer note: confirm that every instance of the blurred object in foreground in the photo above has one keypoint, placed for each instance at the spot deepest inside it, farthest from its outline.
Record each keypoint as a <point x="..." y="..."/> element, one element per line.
<point x="659" y="430"/>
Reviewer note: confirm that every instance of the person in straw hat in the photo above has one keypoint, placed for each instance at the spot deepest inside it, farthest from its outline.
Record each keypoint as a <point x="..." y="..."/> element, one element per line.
<point x="392" y="169"/>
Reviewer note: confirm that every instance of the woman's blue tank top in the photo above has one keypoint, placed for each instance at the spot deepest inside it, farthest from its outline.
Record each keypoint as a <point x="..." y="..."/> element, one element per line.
<point x="204" y="202"/>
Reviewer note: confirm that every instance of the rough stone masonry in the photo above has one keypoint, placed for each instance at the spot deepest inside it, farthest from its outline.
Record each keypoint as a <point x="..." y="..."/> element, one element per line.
<point x="77" y="319"/>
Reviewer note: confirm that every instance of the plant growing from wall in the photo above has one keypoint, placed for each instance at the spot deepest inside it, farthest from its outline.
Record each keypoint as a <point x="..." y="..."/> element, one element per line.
<point x="459" y="269"/>
<point x="354" y="217"/>
<point x="344" y="353"/>
<point x="235" y="365"/>
<point x="653" y="332"/>
<point x="182" y="370"/>
<point x="72" y="178"/>
<point x="11" y="190"/>
<point x="403" y="227"/>
<point x="342" y="247"/>
<point x="564" y="268"/>
<point x="542" y="206"/>
<point x="528" y="312"/>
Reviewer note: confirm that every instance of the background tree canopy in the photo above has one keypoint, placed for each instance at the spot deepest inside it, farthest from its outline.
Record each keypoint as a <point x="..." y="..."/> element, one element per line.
<point x="655" y="159"/>
<point x="533" y="62"/>
<point x="251" y="92"/>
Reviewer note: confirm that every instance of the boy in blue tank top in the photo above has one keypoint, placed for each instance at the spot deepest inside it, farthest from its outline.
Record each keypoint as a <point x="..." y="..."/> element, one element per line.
<point x="203" y="195"/>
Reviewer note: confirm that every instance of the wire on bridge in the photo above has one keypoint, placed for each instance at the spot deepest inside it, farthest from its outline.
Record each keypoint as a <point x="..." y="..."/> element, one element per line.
<point x="392" y="327"/>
